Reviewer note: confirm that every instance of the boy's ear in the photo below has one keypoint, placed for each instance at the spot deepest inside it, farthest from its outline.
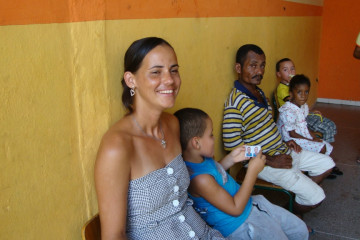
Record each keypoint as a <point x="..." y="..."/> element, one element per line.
<point x="238" y="68"/>
<point x="195" y="143"/>
<point x="278" y="74"/>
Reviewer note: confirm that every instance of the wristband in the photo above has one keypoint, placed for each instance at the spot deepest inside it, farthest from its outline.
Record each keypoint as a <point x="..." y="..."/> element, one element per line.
<point x="358" y="40"/>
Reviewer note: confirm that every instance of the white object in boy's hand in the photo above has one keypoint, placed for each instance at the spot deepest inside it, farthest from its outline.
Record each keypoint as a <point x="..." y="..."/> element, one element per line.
<point x="252" y="151"/>
<point x="358" y="40"/>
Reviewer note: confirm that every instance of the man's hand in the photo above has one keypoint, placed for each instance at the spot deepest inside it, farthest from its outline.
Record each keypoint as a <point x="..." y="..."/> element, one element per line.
<point x="294" y="146"/>
<point x="279" y="161"/>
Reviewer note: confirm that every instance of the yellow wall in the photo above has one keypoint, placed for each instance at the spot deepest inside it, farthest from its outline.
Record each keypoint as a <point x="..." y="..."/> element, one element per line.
<point x="60" y="90"/>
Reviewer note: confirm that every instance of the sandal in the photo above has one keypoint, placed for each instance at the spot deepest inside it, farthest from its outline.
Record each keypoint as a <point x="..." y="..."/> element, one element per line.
<point x="331" y="176"/>
<point x="336" y="171"/>
<point x="311" y="230"/>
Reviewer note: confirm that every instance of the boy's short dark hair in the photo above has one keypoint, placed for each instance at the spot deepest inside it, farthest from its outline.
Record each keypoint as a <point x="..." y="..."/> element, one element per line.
<point x="299" y="79"/>
<point x="280" y="62"/>
<point x="242" y="52"/>
<point x="192" y="124"/>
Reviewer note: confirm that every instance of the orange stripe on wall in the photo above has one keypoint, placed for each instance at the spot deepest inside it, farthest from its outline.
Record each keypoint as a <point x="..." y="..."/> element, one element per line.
<point x="17" y="12"/>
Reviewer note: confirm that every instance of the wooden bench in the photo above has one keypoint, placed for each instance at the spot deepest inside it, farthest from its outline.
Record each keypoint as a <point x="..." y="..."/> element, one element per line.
<point x="91" y="229"/>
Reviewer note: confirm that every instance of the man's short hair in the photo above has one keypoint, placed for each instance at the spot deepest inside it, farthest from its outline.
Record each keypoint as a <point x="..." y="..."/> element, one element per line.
<point x="280" y="62"/>
<point x="243" y="51"/>
<point x="192" y="124"/>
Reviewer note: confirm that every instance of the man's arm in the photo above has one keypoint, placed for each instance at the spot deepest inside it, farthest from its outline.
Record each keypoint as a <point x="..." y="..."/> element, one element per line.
<point x="357" y="52"/>
<point x="357" y="48"/>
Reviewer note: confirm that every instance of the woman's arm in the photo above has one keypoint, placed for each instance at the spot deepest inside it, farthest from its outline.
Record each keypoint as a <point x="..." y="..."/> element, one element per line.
<point x="205" y="186"/>
<point x="112" y="175"/>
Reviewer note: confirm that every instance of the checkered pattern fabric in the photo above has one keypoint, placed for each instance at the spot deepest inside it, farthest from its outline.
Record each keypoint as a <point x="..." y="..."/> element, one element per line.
<point x="322" y="125"/>
<point x="159" y="208"/>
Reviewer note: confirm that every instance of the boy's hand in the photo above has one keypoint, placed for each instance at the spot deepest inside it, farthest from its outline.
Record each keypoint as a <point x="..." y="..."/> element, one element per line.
<point x="238" y="154"/>
<point x="257" y="163"/>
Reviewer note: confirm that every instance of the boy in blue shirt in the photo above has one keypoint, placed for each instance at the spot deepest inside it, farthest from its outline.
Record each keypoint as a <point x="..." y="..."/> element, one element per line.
<point x="220" y="201"/>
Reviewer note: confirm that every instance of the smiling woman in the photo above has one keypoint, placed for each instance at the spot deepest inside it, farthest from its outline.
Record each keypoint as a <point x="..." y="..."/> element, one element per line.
<point x="141" y="179"/>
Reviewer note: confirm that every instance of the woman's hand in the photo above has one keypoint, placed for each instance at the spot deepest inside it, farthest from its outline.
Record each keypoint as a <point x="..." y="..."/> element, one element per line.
<point x="293" y="146"/>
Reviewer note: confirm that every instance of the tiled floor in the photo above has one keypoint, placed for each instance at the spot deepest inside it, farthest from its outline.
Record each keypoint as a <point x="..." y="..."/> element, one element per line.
<point x="338" y="218"/>
<point x="339" y="215"/>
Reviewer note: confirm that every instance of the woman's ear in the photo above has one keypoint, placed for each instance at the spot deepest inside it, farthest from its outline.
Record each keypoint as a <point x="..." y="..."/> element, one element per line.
<point x="238" y="68"/>
<point x="129" y="79"/>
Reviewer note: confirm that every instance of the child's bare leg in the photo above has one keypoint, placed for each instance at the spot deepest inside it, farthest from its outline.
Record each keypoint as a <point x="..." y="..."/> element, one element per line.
<point x="323" y="150"/>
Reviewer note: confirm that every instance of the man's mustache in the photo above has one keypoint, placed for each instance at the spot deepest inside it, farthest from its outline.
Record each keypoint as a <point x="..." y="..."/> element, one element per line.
<point x="259" y="77"/>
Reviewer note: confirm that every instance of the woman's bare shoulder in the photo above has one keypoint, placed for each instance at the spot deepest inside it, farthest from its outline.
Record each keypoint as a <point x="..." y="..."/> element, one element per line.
<point x="117" y="142"/>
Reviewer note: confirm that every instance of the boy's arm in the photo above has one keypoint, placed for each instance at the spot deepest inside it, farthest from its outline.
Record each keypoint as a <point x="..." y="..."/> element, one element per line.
<point x="206" y="186"/>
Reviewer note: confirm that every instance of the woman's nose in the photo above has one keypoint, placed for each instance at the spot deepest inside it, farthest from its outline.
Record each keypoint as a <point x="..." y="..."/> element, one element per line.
<point x="168" y="78"/>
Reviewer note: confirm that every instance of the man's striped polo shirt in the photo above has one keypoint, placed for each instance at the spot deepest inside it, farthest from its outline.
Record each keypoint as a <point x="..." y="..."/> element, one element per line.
<point x="247" y="121"/>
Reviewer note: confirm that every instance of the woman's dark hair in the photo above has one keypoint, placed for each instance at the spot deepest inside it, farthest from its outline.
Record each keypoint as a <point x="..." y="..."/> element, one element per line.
<point x="192" y="124"/>
<point x="297" y="80"/>
<point x="132" y="62"/>
<point x="242" y="52"/>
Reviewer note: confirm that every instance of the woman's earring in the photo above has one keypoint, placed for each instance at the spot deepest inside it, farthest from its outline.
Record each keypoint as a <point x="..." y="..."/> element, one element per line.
<point x="132" y="91"/>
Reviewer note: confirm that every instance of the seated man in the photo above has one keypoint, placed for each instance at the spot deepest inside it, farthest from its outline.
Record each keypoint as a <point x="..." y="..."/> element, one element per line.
<point x="248" y="120"/>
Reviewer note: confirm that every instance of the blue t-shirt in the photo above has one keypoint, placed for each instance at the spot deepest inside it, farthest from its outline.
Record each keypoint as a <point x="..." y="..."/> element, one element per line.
<point x="214" y="217"/>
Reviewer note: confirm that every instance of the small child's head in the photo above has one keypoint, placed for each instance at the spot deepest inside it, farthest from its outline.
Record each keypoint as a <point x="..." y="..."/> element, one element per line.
<point x="285" y="70"/>
<point x="299" y="89"/>
<point x="196" y="131"/>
